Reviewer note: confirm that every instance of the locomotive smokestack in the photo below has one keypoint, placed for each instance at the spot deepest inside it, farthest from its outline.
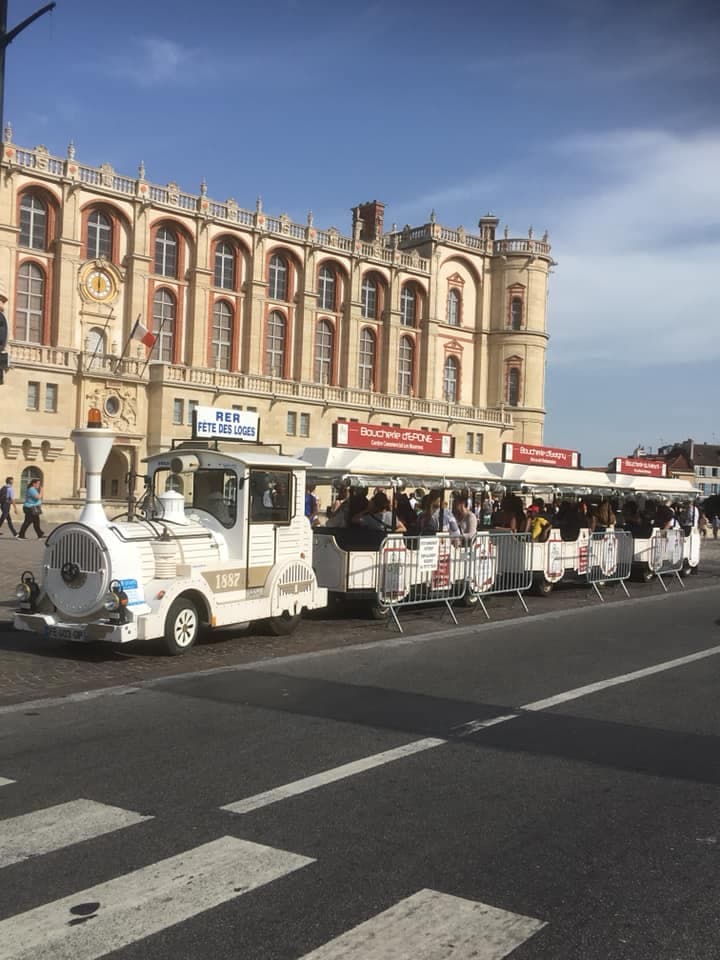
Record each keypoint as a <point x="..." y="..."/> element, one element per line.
<point x="93" y="445"/>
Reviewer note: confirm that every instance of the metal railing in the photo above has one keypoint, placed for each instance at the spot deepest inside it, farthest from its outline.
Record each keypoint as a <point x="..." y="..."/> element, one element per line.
<point x="610" y="558"/>
<point x="499" y="562"/>
<point x="667" y="553"/>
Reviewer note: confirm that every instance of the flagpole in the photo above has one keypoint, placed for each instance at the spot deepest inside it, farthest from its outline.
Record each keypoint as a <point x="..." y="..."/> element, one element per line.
<point x="100" y="341"/>
<point x="157" y="337"/>
<point x="127" y="344"/>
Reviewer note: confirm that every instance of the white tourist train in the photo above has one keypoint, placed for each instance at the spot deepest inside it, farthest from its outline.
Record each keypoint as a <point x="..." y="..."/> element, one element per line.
<point x="220" y="538"/>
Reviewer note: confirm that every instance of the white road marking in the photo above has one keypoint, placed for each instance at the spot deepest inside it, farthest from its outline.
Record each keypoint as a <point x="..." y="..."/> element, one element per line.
<point x="56" y="827"/>
<point x="623" y="678"/>
<point x="473" y="726"/>
<point x="433" y="926"/>
<point x="92" y="923"/>
<point x="331" y="776"/>
<point x="4" y="781"/>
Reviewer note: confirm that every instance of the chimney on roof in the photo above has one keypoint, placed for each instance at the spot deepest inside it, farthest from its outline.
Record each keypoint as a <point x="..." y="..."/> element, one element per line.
<point x="488" y="225"/>
<point x="370" y="216"/>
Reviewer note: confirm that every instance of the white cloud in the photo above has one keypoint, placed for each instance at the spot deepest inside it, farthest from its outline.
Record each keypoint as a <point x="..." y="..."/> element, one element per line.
<point x="158" y="61"/>
<point x="638" y="254"/>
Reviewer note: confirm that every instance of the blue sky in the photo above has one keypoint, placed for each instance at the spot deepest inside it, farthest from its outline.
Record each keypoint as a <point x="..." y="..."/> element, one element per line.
<point x="595" y="119"/>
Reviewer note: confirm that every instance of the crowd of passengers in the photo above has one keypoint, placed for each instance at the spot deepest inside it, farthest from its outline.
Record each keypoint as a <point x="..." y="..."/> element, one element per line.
<point x="461" y="514"/>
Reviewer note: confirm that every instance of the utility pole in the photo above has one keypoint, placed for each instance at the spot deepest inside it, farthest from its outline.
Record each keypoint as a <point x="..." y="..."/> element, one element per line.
<point x="6" y="38"/>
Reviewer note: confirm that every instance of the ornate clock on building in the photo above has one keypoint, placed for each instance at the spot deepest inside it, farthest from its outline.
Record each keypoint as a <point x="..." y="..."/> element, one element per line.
<point x="98" y="283"/>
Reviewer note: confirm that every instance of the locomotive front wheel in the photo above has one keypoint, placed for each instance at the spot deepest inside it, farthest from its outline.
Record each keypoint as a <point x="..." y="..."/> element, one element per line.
<point x="181" y="626"/>
<point x="284" y="624"/>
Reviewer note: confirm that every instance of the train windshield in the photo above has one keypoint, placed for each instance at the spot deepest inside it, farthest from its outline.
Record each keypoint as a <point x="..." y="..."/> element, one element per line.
<point x="214" y="491"/>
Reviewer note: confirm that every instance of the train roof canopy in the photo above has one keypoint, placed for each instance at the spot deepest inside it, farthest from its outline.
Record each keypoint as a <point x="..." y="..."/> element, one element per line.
<point x="328" y="464"/>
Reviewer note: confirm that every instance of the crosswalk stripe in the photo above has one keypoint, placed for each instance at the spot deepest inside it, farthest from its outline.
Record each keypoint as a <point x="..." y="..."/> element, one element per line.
<point x="330" y="776"/>
<point x="432" y="926"/>
<point x="91" y="923"/>
<point x="60" y="826"/>
<point x="4" y="781"/>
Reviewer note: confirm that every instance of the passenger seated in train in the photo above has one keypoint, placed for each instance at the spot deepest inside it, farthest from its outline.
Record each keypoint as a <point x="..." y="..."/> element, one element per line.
<point x="602" y="516"/>
<point x="570" y="520"/>
<point x="539" y="523"/>
<point x="378" y="516"/>
<point x="510" y="516"/>
<point x="436" y="518"/>
<point x="465" y="518"/>
<point x="636" y="523"/>
<point x="405" y="513"/>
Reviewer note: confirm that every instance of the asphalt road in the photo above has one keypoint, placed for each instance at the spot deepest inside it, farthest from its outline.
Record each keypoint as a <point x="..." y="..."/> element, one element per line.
<point x="544" y="788"/>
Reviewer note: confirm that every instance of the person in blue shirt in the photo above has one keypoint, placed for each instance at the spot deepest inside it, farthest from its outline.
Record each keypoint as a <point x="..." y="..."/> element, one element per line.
<point x="32" y="508"/>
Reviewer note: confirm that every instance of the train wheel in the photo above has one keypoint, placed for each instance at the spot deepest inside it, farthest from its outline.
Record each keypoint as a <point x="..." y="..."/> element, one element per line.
<point x="686" y="569"/>
<point x="181" y="626"/>
<point x="283" y="625"/>
<point x="378" y="611"/>
<point x="542" y="587"/>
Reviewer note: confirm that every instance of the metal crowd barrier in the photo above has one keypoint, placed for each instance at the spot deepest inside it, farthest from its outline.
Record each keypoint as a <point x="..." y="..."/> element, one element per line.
<point x="667" y="552"/>
<point x="610" y="558"/>
<point x="499" y="562"/>
<point x="415" y="570"/>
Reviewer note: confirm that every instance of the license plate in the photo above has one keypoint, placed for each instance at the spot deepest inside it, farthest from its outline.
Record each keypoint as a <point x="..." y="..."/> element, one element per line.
<point x="65" y="633"/>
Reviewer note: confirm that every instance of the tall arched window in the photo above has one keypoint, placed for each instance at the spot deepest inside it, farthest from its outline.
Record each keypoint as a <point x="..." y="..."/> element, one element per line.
<point x="406" y="355"/>
<point x="516" y="313"/>
<point x="513" y="386"/>
<point x="323" y="352"/>
<point x="369" y="298"/>
<point x="275" y="344"/>
<point x="278" y="278"/>
<point x="221" y="335"/>
<point x="326" y="288"/>
<point x="164" y="311"/>
<point x="166" y="252"/>
<point x="99" y="236"/>
<point x="225" y="265"/>
<point x="366" y="360"/>
<point x="94" y="347"/>
<point x="453" y="307"/>
<point x="451" y="375"/>
<point x="33" y="222"/>
<point x="408" y="305"/>
<point x="30" y="306"/>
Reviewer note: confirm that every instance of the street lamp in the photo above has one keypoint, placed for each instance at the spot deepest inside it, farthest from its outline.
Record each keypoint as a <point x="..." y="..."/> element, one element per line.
<point x="7" y="37"/>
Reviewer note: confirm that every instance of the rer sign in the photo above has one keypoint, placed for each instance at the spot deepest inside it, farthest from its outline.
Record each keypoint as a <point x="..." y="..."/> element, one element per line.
<point x="213" y="423"/>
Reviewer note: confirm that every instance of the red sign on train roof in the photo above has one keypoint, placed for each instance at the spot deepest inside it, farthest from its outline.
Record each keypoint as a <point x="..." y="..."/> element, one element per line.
<point x="540" y="456"/>
<point x="640" y="468"/>
<point x="374" y="436"/>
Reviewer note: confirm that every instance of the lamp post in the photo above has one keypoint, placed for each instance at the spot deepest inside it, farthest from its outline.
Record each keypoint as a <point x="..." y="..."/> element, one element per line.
<point x="6" y="38"/>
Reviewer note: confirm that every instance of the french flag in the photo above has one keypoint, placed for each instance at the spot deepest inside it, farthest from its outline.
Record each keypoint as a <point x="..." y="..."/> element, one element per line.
<point x="142" y="334"/>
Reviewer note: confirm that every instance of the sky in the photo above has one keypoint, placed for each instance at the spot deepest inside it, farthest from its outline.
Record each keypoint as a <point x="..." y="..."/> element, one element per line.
<point x="597" y="120"/>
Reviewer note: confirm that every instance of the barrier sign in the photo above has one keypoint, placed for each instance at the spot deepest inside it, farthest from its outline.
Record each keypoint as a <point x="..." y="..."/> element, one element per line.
<point x="428" y="552"/>
<point x="640" y="468"/>
<point x="214" y="423"/>
<point x="540" y="456"/>
<point x="374" y="436"/>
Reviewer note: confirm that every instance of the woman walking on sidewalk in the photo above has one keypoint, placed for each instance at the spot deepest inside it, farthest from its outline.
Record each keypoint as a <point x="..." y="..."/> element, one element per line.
<point x="32" y="508"/>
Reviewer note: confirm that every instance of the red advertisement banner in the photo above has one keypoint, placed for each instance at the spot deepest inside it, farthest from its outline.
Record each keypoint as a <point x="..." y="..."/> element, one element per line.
<point x="640" y="468"/>
<point x="540" y="456"/>
<point x="373" y="436"/>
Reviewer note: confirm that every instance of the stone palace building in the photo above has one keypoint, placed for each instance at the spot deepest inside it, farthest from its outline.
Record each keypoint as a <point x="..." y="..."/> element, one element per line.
<point x="426" y="327"/>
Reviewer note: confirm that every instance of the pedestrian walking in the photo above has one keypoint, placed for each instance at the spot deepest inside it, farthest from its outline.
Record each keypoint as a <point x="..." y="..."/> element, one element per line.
<point x="715" y="526"/>
<point x="7" y="503"/>
<point x="32" y="508"/>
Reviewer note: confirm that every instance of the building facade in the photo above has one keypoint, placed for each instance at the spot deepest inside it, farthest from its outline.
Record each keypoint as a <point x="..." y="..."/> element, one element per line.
<point x="703" y="460"/>
<point x="425" y="327"/>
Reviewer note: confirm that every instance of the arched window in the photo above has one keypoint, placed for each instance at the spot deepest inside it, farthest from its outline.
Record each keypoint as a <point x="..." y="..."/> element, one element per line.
<point x="513" y="386"/>
<point x="166" y="253"/>
<point x="406" y="355"/>
<point x="94" y="347"/>
<point x="164" y="310"/>
<point x="99" y="236"/>
<point x="26" y="477"/>
<point x="323" y="352"/>
<point x="275" y="345"/>
<point x="369" y="298"/>
<point x="366" y="360"/>
<point x="408" y="306"/>
<point x="221" y="335"/>
<point x="33" y="223"/>
<point x="225" y="265"/>
<point x="453" y="307"/>
<point x="451" y="375"/>
<point x="30" y="306"/>
<point x="278" y="278"/>
<point x="516" y="313"/>
<point x="326" y="288"/>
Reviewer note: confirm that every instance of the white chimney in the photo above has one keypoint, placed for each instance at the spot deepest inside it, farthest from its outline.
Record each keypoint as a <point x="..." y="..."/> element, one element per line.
<point x="93" y="445"/>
